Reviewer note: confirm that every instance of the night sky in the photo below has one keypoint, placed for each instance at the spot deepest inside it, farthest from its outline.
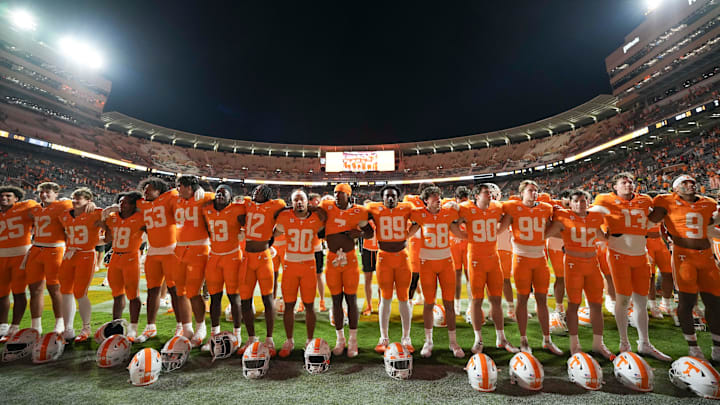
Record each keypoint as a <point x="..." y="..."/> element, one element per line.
<point x="347" y="72"/>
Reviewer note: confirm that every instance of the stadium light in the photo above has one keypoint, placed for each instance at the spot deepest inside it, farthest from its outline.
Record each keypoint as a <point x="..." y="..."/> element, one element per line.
<point x="23" y="20"/>
<point x="653" y="4"/>
<point x="81" y="53"/>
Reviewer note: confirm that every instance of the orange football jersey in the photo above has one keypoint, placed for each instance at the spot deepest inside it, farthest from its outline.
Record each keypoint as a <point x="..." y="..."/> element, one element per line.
<point x="579" y="233"/>
<point x="390" y="224"/>
<point x="435" y="228"/>
<point x="82" y="232"/>
<point x="343" y="220"/>
<point x="16" y="225"/>
<point x="187" y="218"/>
<point x="48" y="229"/>
<point x="126" y="233"/>
<point x="223" y="227"/>
<point x="625" y="216"/>
<point x="482" y="224"/>
<point x="685" y="219"/>
<point x="528" y="227"/>
<point x="300" y="232"/>
<point x="372" y="243"/>
<point x="260" y="219"/>
<point x="415" y="200"/>
<point x="159" y="215"/>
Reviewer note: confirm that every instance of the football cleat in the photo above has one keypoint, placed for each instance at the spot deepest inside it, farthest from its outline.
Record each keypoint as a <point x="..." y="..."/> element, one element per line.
<point x="456" y="350"/>
<point x="382" y="345"/>
<point x="352" y="350"/>
<point x="286" y="349"/>
<point x="339" y="347"/>
<point x="426" y="350"/>
<point x="648" y="349"/>
<point x="84" y="335"/>
<point x="407" y="342"/>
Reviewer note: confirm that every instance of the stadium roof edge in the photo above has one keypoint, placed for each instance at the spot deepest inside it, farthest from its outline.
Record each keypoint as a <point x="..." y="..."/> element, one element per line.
<point x="561" y="122"/>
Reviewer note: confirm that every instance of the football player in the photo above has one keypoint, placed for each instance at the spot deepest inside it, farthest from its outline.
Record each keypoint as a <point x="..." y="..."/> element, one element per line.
<point x="158" y="210"/>
<point x="225" y="265"/>
<point x="259" y="222"/>
<point x="528" y="219"/>
<point x="314" y="201"/>
<point x="82" y="230"/>
<point x="45" y="257"/>
<point x="15" y="240"/>
<point x="393" y="265"/>
<point x="435" y="223"/>
<point x="345" y="223"/>
<point x="124" y="230"/>
<point x="688" y="217"/>
<point x="504" y="245"/>
<point x="579" y="228"/>
<point x="192" y="250"/>
<point x="459" y="250"/>
<point x="482" y="217"/>
<point x="301" y="227"/>
<point x="626" y="217"/>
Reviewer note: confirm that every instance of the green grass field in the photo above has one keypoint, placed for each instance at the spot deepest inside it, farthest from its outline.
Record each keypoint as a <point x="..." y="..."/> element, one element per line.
<point x="76" y="378"/>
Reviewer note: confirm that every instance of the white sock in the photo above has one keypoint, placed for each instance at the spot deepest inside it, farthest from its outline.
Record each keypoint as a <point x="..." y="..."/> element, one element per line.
<point x="353" y="334"/>
<point x="237" y="331"/>
<point x="621" y="308"/>
<point x="546" y="339"/>
<point x="36" y="323"/>
<point x="499" y="336"/>
<point x="340" y="334"/>
<point x="200" y="326"/>
<point x="428" y="335"/>
<point x="478" y="335"/>
<point x="85" y="308"/>
<point x="667" y="302"/>
<point x="690" y="338"/>
<point x="574" y="342"/>
<point x="641" y="317"/>
<point x="652" y="304"/>
<point x="59" y="324"/>
<point x="187" y="327"/>
<point x="151" y="326"/>
<point x="215" y="330"/>
<point x="405" y="318"/>
<point x="384" y="318"/>
<point x="559" y="307"/>
<point x="452" y="336"/>
<point x="133" y="328"/>
<point x="68" y="310"/>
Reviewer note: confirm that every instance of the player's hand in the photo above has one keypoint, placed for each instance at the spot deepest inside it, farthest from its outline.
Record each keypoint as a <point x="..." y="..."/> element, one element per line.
<point x="241" y="236"/>
<point x="199" y="194"/>
<point x="109" y="210"/>
<point x="355" y="233"/>
<point x="90" y="207"/>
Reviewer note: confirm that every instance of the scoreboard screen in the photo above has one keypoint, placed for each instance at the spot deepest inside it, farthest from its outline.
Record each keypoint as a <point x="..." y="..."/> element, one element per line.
<point x="378" y="161"/>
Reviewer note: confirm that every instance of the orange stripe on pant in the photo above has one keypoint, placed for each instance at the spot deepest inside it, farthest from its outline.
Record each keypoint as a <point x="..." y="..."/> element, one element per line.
<point x="433" y="270"/>
<point x="530" y="271"/>
<point x="124" y="274"/>
<point x="484" y="271"/>
<point x="225" y="270"/>
<point x="583" y="274"/>
<point x="344" y="279"/>
<point x="43" y="263"/>
<point x="190" y="273"/>
<point x="76" y="273"/>
<point x="393" y="270"/>
<point x="259" y="270"/>
<point x="159" y="267"/>
<point x="695" y="271"/>
<point x="631" y="274"/>
<point x="299" y="275"/>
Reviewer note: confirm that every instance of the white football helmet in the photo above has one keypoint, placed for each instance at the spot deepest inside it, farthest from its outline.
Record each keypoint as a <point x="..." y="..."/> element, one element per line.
<point x="439" y="319"/>
<point x="584" y="316"/>
<point x="585" y="371"/>
<point x="398" y="361"/>
<point x="482" y="372"/>
<point x="317" y="356"/>
<point x="20" y="344"/>
<point x="175" y="353"/>
<point x="695" y="375"/>
<point x="113" y="351"/>
<point x="526" y="371"/>
<point x="223" y="345"/>
<point x="633" y="372"/>
<point x="116" y="327"/>
<point x="256" y="360"/>
<point x="145" y="367"/>
<point x="49" y="348"/>
<point x="557" y="323"/>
